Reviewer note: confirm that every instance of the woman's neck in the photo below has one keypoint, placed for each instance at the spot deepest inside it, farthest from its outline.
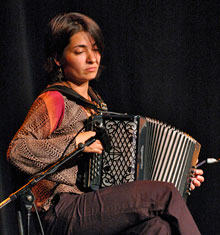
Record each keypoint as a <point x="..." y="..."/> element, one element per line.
<point x="80" y="89"/>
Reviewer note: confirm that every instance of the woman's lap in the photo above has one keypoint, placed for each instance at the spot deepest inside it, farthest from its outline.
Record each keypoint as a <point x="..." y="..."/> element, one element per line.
<point x="119" y="208"/>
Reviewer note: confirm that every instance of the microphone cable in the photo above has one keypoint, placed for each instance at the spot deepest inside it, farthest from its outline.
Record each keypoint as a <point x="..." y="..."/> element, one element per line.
<point x="208" y="161"/>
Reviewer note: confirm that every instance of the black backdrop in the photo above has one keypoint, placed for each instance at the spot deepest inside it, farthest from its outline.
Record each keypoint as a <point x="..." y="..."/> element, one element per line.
<point x="161" y="59"/>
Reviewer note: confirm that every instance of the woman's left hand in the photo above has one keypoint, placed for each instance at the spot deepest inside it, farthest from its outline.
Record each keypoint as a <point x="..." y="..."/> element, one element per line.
<point x="197" y="178"/>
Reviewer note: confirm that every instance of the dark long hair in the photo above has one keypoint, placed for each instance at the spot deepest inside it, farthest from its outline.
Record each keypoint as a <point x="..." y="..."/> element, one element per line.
<point x="60" y="29"/>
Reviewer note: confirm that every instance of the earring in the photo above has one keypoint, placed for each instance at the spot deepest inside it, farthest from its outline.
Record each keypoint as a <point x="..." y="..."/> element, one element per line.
<point x="60" y="75"/>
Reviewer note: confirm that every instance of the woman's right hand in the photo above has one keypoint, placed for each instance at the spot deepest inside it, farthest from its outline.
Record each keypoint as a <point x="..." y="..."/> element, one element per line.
<point x="95" y="147"/>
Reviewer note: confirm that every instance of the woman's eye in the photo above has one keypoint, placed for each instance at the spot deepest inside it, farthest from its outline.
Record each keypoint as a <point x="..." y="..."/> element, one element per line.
<point x="96" y="50"/>
<point x="78" y="52"/>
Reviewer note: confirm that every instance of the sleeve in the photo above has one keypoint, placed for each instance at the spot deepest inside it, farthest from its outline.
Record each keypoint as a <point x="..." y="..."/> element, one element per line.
<point x="33" y="147"/>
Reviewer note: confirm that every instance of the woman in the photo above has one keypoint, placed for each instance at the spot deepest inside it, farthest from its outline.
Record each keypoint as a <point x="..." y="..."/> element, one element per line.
<point x="74" y="48"/>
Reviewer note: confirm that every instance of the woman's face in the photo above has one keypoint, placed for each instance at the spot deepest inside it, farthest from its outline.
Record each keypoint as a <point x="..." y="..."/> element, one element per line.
<point x="81" y="59"/>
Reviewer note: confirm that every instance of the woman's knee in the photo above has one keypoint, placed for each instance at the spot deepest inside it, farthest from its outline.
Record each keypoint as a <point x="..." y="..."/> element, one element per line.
<point x="160" y="191"/>
<point x="157" y="186"/>
<point x="170" y="187"/>
<point x="155" y="225"/>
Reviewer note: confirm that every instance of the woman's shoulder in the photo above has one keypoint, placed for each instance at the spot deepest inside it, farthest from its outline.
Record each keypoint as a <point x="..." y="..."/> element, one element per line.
<point x="54" y="97"/>
<point x="55" y="105"/>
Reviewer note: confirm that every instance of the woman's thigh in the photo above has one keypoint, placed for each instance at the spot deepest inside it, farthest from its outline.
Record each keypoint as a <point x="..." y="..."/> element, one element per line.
<point x="115" y="209"/>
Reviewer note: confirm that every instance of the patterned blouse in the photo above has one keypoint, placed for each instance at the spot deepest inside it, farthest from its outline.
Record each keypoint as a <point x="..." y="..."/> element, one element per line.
<point x="51" y="123"/>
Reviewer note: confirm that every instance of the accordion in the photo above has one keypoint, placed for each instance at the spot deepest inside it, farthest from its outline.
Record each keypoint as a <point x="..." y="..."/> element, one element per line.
<point x="141" y="149"/>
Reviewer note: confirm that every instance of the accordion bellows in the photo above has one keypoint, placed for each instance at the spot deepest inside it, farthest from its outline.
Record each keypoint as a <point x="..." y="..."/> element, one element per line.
<point x="141" y="149"/>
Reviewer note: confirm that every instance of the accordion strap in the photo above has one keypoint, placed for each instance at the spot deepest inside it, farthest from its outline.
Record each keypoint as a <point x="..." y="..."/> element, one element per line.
<point x="74" y="96"/>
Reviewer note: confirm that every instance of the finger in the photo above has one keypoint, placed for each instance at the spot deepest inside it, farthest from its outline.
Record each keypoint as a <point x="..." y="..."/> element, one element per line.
<point x="192" y="186"/>
<point x="96" y="147"/>
<point x="200" y="178"/>
<point x="196" y="182"/>
<point x="91" y="133"/>
<point x="98" y="151"/>
<point x="198" y="172"/>
<point x="94" y="150"/>
<point x="84" y="136"/>
<point x="98" y="142"/>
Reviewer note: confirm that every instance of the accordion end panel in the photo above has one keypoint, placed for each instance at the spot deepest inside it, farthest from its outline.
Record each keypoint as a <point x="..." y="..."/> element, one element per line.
<point x="186" y="192"/>
<point x="196" y="154"/>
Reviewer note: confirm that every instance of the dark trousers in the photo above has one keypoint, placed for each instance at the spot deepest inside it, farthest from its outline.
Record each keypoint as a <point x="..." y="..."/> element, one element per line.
<point x="140" y="207"/>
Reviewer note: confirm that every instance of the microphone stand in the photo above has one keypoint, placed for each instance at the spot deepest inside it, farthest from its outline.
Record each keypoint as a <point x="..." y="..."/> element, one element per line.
<point x="25" y="191"/>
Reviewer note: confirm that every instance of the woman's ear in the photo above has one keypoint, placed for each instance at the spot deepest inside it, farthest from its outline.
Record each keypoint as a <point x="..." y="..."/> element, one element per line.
<point x="57" y="62"/>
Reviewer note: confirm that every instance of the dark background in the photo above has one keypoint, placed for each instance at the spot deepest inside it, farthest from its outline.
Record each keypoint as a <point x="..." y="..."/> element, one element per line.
<point x="162" y="61"/>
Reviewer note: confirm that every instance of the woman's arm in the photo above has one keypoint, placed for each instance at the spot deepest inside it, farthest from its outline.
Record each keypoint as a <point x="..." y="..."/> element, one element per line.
<point x="33" y="148"/>
<point x="36" y="145"/>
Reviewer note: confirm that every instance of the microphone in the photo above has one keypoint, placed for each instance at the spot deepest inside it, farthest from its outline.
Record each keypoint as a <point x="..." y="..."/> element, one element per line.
<point x="104" y="138"/>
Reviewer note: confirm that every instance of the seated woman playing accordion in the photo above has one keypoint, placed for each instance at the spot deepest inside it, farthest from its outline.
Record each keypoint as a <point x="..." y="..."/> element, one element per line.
<point x="74" y="48"/>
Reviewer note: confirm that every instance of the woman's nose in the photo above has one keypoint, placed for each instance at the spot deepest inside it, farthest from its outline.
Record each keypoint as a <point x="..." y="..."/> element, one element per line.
<point x="92" y="57"/>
